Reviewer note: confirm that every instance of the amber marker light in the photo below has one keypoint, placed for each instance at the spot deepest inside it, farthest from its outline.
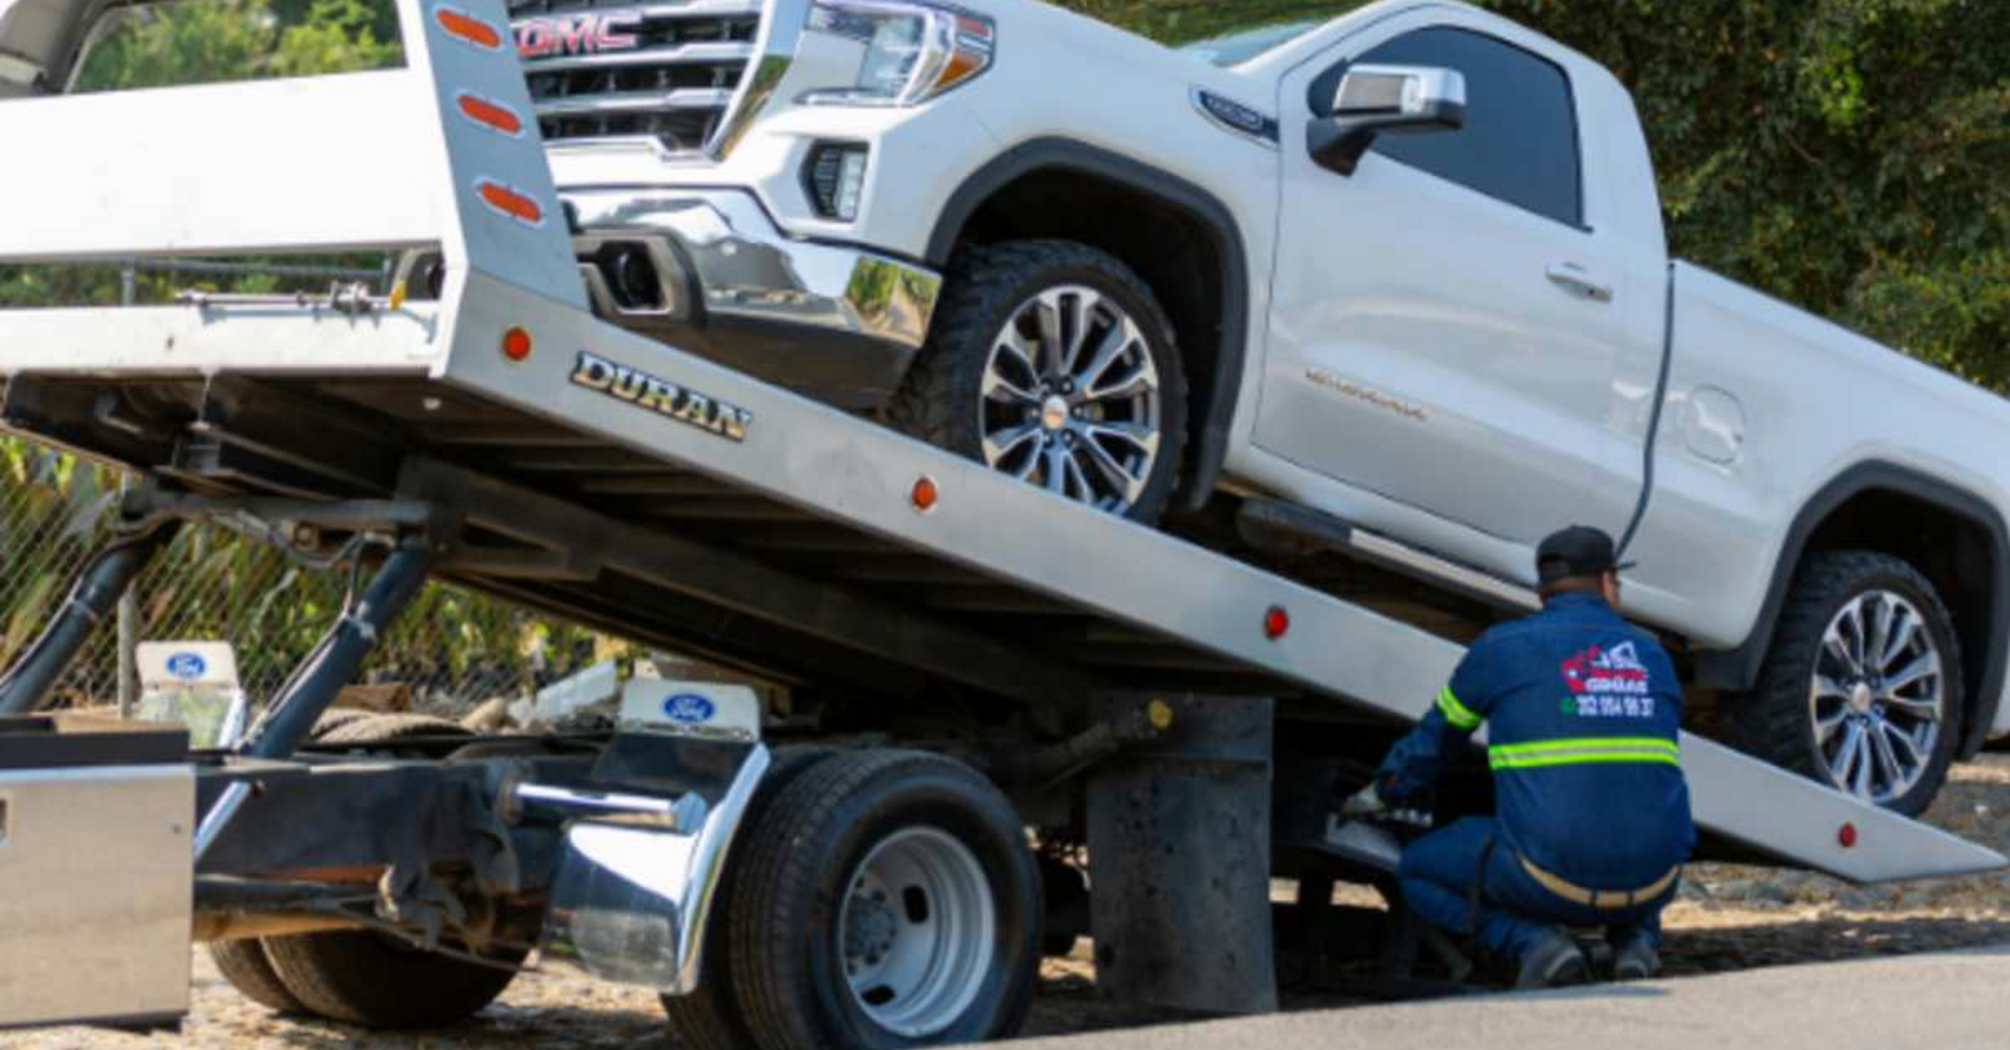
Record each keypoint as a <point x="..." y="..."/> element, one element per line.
<point x="467" y="28"/>
<point x="1276" y="622"/>
<point x="925" y="494"/>
<point x="513" y="203"/>
<point x="516" y="343"/>
<point x="489" y="114"/>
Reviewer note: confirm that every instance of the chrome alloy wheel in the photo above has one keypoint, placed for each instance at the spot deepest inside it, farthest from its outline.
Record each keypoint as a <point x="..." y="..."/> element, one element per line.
<point x="1071" y="399"/>
<point x="917" y="932"/>
<point x="1878" y="697"/>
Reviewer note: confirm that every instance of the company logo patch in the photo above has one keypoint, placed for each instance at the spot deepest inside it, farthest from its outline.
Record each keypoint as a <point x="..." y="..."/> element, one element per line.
<point x="659" y="395"/>
<point x="1608" y="683"/>
<point x="586" y="33"/>
<point x="187" y="666"/>
<point x="690" y="709"/>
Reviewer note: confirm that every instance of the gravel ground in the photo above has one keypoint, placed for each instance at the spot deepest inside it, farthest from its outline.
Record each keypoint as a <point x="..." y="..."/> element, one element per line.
<point x="1728" y="918"/>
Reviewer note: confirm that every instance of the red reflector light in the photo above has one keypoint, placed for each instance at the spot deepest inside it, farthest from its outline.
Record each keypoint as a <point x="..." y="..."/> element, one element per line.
<point x="513" y="203"/>
<point x="1846" y="836"/>
<point x="1276" y="622"/>
<point x="925" y="494"/>
<point x="516" y="344"/>
<point x="493" y="115"/>
<point x="466" y="27"/>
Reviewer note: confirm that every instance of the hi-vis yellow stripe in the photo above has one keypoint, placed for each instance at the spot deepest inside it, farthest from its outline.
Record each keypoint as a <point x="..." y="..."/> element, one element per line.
<point x="1458" y="714"/>
<point x="1584" y="750"/>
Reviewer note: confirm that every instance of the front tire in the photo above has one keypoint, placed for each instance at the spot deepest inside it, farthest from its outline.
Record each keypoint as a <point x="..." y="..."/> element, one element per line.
<point x="1862" y="687"/>
<point x="1053" y="362"/>
<point x="889" y="900"/>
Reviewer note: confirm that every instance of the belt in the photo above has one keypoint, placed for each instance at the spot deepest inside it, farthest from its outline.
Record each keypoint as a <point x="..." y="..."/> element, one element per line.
<point x="1601" y="899"/>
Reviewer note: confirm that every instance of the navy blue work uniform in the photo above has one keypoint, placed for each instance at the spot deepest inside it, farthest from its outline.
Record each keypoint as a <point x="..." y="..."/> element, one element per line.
<point x="1584" y="715"/>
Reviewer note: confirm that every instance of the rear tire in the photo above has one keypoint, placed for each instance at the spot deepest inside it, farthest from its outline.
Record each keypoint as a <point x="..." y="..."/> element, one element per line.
<point x="710" y="1018"/>
<point x="1825" y="705"/>
<point x="245" y="965"/>
<point x="1045" y="405"/>
<point x="889" y="900"/>
<point x="243" y="962"/>
<point x="365" y="978"/>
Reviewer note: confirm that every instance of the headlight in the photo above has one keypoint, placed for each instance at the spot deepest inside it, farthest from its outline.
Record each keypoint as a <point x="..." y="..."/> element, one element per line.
<point x="907" y="52"/>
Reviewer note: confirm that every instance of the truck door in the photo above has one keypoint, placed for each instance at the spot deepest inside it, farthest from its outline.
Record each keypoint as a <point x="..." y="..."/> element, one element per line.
<point x="1443" y="331"/>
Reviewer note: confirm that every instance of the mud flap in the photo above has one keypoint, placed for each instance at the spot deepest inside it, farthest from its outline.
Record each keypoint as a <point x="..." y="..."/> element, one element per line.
<point x="1179" y="859"/>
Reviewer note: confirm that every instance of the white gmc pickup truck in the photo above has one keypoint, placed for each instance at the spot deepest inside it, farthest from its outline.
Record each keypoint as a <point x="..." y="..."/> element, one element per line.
<point x="1393" y="286"/>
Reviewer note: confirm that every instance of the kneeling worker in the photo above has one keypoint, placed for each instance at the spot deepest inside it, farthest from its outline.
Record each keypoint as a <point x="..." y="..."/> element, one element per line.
<point x="1592" y="822"/>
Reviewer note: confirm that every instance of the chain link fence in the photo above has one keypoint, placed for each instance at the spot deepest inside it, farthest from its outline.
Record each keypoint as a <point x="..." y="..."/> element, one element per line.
<point x="453" y="648"/>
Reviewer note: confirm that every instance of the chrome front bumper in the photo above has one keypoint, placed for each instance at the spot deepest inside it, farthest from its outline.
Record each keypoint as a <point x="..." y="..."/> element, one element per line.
<point x="708" y="271"/>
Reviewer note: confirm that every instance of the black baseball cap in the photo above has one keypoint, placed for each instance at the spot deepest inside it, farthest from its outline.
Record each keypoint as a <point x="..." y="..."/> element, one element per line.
<point x="1579" y="550"/>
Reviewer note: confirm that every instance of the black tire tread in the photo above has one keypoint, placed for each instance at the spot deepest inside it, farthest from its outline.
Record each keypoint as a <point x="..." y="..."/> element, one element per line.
<point x="982" y="283"/>
<point x="1771" y="722"/>
<point x="354" y="976"/>
<point x="710" y="1018"/>
<point x="779" y="869"/>
<point x="245" y="965"/>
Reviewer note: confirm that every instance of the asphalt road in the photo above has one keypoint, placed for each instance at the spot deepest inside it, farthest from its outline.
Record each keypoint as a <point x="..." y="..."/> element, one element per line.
<point x="1949" y="1001"/>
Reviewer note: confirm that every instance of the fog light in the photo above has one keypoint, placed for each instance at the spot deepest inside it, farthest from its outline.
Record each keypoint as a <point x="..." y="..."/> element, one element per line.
<point x="835" y="178"/>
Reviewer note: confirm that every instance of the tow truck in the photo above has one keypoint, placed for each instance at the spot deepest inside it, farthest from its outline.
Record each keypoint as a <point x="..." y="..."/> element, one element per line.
<point x="842" y="860"/>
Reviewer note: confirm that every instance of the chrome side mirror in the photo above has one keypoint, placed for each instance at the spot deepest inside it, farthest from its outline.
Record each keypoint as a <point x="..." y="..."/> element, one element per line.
<point x="1375" y="100"/>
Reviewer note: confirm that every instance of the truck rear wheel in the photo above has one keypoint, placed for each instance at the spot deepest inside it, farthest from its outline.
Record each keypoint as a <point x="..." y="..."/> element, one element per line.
<point x="245" y="965"/>
<point x="243" y="962"/>
<point x="709" y="1018"/>
<point x="370" y="979"/>
<point x="1053" y="362"/>
<point x="889" y="900"/>
<point x="1862" y="686"/>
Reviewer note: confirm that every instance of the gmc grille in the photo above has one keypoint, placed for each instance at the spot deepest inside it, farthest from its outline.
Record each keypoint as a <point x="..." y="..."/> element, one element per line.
<point x="603" y="69"/>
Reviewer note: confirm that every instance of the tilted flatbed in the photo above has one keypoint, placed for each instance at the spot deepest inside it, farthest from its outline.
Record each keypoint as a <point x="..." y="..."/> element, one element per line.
<point x="503" y="437"/>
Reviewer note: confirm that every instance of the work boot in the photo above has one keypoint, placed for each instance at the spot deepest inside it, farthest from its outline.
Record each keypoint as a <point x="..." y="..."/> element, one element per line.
<point x="1634" y="959"/>
<point x="1554" y="961"/>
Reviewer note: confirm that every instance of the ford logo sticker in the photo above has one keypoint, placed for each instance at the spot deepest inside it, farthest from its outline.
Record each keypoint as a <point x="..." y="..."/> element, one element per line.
<point x="690" y="709"/>
<point x="187" y="666"/>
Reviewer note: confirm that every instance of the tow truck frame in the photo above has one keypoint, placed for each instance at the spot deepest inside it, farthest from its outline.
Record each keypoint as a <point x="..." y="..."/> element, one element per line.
<point x="502" y="437"/>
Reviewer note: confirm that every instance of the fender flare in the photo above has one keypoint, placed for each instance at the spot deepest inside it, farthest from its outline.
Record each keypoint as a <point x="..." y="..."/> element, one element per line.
<point x="1224" y="235"/>
<point x="1738" y="668"/>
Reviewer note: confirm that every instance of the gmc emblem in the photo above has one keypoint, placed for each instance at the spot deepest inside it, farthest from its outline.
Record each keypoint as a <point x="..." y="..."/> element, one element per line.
<point x="586" y="33"/>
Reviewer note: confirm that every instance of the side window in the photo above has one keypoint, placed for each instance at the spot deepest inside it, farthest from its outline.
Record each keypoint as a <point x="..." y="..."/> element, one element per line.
<point x="1519" y="143"/>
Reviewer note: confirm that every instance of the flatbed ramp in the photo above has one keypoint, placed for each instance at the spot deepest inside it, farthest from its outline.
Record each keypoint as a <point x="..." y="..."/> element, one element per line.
<point x="638" y="487"/>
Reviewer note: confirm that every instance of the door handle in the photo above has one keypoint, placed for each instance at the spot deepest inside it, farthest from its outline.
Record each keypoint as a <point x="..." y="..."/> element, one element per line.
<point x="1577" y="281"/>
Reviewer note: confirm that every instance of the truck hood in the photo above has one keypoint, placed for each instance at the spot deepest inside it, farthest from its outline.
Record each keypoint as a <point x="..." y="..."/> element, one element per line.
<point x="41" y="39"/>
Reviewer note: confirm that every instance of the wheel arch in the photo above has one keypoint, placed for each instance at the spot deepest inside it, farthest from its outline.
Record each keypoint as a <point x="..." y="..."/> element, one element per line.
<point x="1208" y="303"/>
<point x="1955" y="538"/>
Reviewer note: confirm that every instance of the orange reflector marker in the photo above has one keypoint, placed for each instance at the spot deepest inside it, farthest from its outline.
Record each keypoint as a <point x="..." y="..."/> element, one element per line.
<point x="1846" y="836"/>
<point x="1276" y="622"/>
<point x="925" y="494"/>
<point x="513" y="203"/>
<point x="516" y="344"/>
<point x="467" y="28"/>
<point x="492" y="115"/>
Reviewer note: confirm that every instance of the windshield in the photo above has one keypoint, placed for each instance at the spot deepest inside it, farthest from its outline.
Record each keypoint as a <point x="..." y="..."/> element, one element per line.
<point x="1234" y="49"/>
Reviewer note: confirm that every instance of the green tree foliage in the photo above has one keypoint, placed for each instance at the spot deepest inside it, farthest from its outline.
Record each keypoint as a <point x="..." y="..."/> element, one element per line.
<point x="1848" y="156"/>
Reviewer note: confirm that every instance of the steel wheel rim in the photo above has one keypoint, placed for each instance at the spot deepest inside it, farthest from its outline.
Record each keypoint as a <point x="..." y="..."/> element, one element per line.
<point x="1878" y="697"/>
<point x="1071" y="400"/>
<point x="916" y="932"/>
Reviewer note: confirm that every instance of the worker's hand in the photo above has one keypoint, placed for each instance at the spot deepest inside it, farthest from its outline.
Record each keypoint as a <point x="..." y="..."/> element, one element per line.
<point x="1366" y="802"/>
